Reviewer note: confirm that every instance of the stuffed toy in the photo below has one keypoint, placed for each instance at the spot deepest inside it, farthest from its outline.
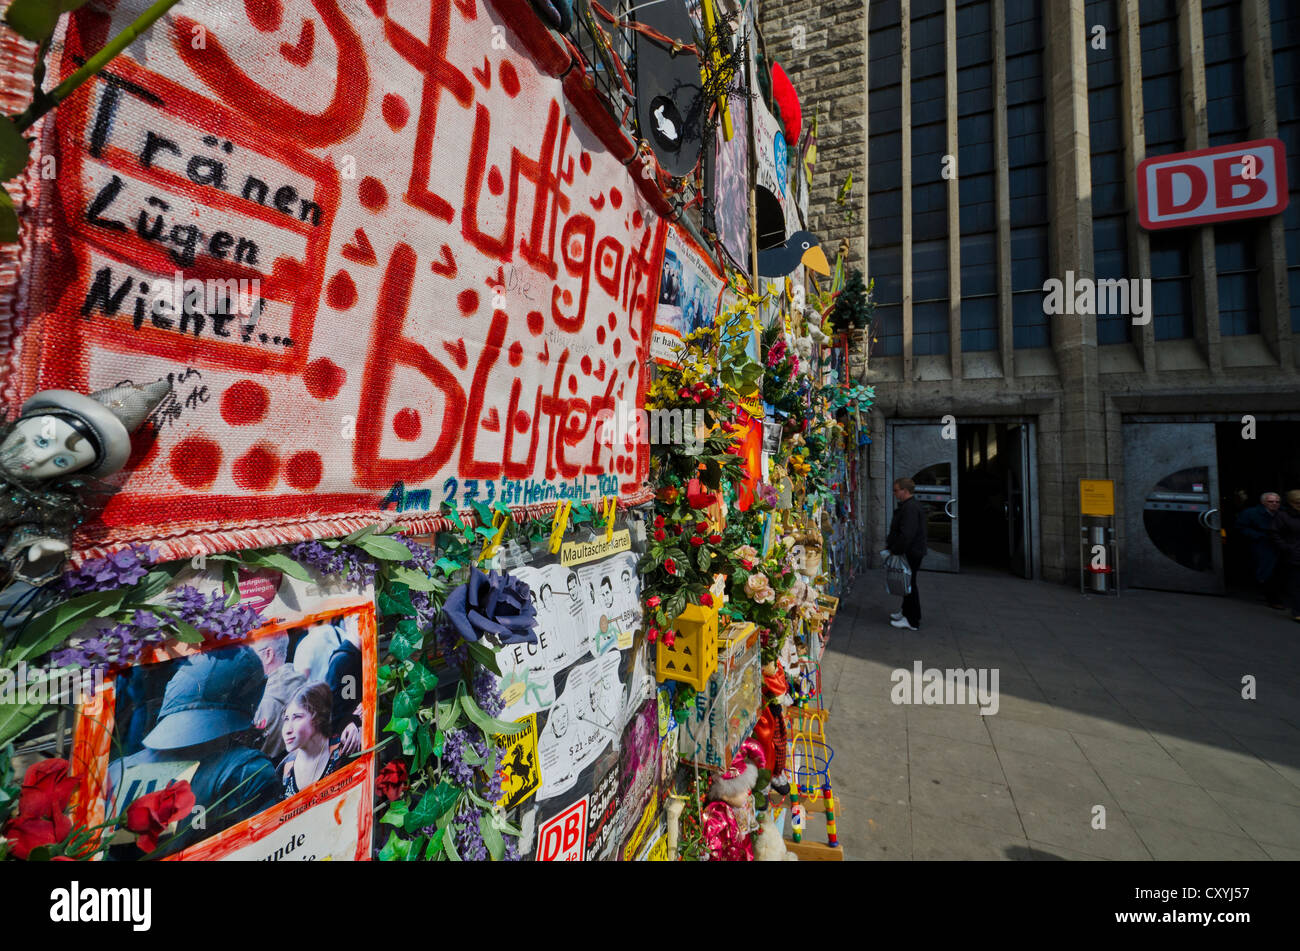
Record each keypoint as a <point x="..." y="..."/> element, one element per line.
<point x="769" y="846"/>
<point x="729" y="818"/>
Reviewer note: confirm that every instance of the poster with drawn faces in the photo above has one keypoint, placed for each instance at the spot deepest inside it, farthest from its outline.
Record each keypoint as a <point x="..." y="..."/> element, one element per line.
<point x="605" y="606"/>
<point x="582" y="723"/>
<point x="527" y="670"/>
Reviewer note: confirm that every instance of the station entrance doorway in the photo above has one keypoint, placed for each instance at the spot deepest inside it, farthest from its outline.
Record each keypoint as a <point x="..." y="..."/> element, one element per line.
<point x="977" y="480"/>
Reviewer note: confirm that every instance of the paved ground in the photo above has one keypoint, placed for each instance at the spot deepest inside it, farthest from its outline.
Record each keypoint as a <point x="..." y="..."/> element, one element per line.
<point x="1133" y="704"/>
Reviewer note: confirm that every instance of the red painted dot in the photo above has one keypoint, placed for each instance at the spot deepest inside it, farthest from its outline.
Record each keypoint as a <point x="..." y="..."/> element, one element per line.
<point x="467" y="301"/>
<point x="637" y="220"/>
<point x="567" y="296"/>
<point x="324" y="378"/>
<point x="585" y="162"/>
<point x="509" y="78"/>
<point x="631" y="369"/>
<point x="194" y="461"/>
<point x="615" y="197"/>
<point x="340" y="292"/>
<point x="256" y="469"/>
<point x="395" y="111"/>
<point x="521" y="421"/>
<point x="586" y="364"/>
<point x="495" y="184"/>
<point x="535" y="323"/>
<point x="612" y="320"/>
<point x="516" y="353"/>
<point x="618" y="344"/>
<point x="407" y="424"/>
<point x="244" y="403"/>
<point x="600" y="334"/>
<point x="264" y="14"/>
<point x="304" y="470"/>
<point x="372" y="193"/>
<point x="573" y="383"/>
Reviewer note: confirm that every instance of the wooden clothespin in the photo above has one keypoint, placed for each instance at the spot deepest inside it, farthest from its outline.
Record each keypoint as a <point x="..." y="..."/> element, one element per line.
<point x="499" y="521"/>
<point x="610" y="507"/>
<point x="560" y="524"/>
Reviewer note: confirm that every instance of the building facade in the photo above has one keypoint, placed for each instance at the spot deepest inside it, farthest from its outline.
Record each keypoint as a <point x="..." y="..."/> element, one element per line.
<point x="1000" y="151"/>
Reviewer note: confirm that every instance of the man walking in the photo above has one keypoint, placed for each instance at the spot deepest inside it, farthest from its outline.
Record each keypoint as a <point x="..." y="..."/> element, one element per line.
<point x="1253" y="524"/>
<point x="907" y="538"/>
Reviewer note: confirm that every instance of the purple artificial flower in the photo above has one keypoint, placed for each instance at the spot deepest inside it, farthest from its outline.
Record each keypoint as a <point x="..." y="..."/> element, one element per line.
<point x="121" y="569"/>
<point x="455" y="769"/>
<point x="512" y="850"/>
<point x="469" y="837"/>
<point x="494" y="603"/>
<point x="486" y="692"/>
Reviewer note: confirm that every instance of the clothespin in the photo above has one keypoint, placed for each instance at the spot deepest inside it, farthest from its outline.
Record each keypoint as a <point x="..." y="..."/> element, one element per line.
<point x="610" y="507"/>
<point x="560" y="524"/>
<point x="499" y="521"/>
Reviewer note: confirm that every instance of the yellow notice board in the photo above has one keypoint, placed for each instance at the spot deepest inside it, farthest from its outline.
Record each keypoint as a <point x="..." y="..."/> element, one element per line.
<point x="1096" y="497"/>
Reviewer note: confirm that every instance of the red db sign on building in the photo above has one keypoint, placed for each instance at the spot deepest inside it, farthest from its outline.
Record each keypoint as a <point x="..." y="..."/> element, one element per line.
<point x="563" y="837"/>
<point x="1219" y="184"/>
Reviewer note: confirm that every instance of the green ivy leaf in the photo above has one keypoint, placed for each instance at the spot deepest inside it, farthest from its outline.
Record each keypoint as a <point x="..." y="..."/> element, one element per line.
<point x="433" y="804"/>
<point x="414" y="854"/>
<point x="448" y="566"/>
<point x="423" y="745"/>
<point x="483" y="512"/>
<point x="435" y="846"/>
<point x="396" y="599"/>
<point x="395" y="814"/>
<point x="398" y="725"/>
<point x="404" y="707"/>
<point x="423" y="677"/>
<point x="230" y="578"/>
<point x="395" y="849"/>
<point x="439" y="743"/>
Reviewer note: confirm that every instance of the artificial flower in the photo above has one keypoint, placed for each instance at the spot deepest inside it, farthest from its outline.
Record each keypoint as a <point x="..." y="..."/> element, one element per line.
<point x="47" y="789"/>
<point x="659" y="535"/>
<point x="697" y="541"/>
<point x="706" y="599"/>
<point x="392" y="780"/>
<point x="652" y="601"/>
<point x="151" y="814"/>
<point x="495" y="603"/>
<point x="715" y="539"/>
<point x="670" y="566"/>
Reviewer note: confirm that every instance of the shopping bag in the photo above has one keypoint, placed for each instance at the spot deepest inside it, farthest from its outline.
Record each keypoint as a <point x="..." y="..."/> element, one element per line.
<point x="898" y="576"/>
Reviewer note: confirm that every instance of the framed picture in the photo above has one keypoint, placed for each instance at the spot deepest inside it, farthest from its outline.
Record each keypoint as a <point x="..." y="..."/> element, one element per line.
<point x="265" y="730"/>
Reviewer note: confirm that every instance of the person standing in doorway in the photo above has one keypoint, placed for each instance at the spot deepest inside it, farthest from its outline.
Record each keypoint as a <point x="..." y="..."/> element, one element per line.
<point x="907" y="538"/>
<point x="1253" y="525"/>
<point x="1285" y="533"/>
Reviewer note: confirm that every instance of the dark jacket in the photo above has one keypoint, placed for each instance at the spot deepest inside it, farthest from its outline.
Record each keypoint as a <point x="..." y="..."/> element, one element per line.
<point x="1253" y="525"/>
<point x="907" y="530"/>
<point x="1285" y="533"/>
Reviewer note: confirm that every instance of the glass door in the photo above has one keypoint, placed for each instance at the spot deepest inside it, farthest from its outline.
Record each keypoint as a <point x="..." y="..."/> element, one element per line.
<point x="1171" y="520"/>
<point x="921" y="453"/>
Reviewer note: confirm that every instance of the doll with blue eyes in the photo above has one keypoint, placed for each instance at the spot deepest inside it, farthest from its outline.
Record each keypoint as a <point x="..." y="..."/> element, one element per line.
<point x="61" y="443"/>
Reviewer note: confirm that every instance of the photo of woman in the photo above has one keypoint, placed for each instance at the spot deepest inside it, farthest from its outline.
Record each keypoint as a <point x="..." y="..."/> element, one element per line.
<point x="312" y="752"/>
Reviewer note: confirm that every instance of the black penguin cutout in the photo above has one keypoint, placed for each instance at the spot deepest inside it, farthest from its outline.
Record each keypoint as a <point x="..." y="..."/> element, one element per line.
<point x="802" y="247"/>
<point x="669" y="107"/>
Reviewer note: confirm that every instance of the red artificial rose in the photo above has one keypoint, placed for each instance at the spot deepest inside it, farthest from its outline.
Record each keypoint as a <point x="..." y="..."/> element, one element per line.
<point x="706" y="599"/>
<point x="47" y="789"/>
<point x="697" y="541"/>
<point x="31" y="832"/>
<point x="652" y="635"/>
<point x="392" y="780"/>
<point x="670" y="566"/>
<point x="652" y="601"/>
<point x="747" y="563"/>
<point x="679" y="528"/>
<point x="659" y="521"/>
<point x="715" y="539"/>
<point x="669" y="638"/>
<point x="659" y="535"/>
<point x="150" y="815"/>
<point x="701" y="527"/>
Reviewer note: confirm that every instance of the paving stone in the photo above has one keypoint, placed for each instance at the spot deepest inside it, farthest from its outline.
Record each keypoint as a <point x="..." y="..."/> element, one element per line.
<point x="943" y="839"/>
<point x="988" y="805"/>
<point x="1173" y="842"/>
<point x="1116" y="759"/>
<point x="1047" y="742"/>
<point x="1264" y="820"/>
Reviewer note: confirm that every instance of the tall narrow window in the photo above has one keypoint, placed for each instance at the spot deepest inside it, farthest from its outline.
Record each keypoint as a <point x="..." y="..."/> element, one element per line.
<point x="1109" y="169"/>
<point x="976" y="184"/>
<point x="1027" y="159"/>
<point x="929" y="188"/>
<point x="1171" y="290"/>
<point x="885" y="175"/>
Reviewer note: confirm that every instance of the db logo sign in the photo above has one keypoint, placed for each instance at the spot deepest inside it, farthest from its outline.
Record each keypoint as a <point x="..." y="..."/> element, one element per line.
<point x="1218" y="184"/>
<point x="563" y="838"/>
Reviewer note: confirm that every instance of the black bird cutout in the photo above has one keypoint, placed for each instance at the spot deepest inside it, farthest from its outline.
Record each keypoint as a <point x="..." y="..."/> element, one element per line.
<point x="802" y="247"/>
